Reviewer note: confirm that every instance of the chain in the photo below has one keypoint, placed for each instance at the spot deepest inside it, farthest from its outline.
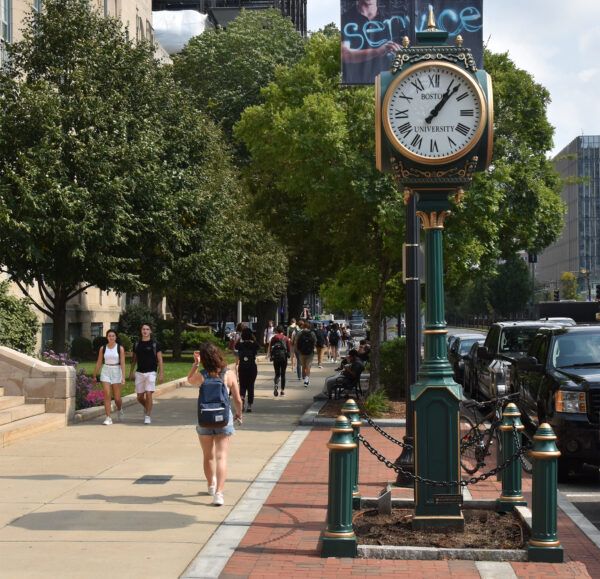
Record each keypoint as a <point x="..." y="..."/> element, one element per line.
<point x="383" y="432"/>
<point x="462" y="483"/>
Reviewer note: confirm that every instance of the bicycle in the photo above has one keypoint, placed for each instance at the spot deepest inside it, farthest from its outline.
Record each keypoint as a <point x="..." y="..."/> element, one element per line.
<point x="478" y="437"/>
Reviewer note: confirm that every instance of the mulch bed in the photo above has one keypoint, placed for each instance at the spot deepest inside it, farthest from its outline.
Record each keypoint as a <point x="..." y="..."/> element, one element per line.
<point x="483" y="530"/>
<point x="333" y="408"/>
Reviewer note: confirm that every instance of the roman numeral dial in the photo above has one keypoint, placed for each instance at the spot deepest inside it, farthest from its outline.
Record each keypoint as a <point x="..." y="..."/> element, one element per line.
<point x="434" y="112"/>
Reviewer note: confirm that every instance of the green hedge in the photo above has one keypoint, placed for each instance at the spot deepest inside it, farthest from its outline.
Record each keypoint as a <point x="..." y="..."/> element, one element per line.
<point x="393" y="362"/>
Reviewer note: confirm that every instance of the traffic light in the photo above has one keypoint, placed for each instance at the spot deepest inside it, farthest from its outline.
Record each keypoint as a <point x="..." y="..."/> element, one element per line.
<point x="598" y="292"/>
<point x="556" y="296"/>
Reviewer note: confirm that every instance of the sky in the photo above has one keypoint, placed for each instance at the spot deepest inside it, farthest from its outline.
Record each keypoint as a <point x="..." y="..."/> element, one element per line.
<point x="557" y="42"/>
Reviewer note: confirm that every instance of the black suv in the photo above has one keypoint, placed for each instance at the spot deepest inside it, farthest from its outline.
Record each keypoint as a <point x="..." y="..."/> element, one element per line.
<point x="505" y="343"/>
<point x="559" y="383"/>
<point x="460" y="348"/>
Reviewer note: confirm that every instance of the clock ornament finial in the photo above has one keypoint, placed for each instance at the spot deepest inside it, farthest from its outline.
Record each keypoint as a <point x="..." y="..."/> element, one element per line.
<point x="406" y="42"/>
<point x="459" y="41"/>
<point x="431" y="25"/>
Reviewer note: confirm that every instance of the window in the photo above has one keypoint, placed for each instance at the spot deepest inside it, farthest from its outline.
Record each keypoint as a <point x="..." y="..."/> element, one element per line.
<point x="47" y="331"/>
<point x="97" y="329"/>
<point x="5" y="8"/>
<point x="74" y="331"/>
<point x="37" y="5"/>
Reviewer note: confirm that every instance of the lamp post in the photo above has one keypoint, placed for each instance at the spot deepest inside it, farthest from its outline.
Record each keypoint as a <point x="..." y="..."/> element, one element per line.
<point x="586" y="274"/>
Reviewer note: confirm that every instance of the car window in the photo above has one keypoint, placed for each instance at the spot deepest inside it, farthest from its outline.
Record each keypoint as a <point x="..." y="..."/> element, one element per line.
<point x="576" y="349"/>
<point x="491" y="340"/>
<point x="465" y="345"/>
<point x="516" y="339"/>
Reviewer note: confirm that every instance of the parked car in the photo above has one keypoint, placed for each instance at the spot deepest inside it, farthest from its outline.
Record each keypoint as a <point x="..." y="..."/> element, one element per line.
<point x="460" y="348"/>
<point x="505" y="343"/>
<point x="559" y="383"/>
<point x="358" y="325"/>
<point x="470" y="369"/>
<point x="561" y="321"/>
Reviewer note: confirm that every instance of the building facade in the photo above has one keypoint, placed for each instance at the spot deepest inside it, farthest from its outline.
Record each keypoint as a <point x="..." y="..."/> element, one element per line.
<point x="578" y="248"/>
<point x="223" y="11"/>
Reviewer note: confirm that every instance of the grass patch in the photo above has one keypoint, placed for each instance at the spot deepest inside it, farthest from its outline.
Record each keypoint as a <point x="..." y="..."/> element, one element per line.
<point x="173" y="370"/>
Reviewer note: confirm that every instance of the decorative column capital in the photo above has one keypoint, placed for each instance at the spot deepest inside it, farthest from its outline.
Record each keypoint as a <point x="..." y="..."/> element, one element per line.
<point x="433" y="220"/>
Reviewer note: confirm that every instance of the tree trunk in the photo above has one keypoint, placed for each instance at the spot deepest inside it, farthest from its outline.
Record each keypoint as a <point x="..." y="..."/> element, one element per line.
<point x="176" y="307"/>
<point x="59" y="320"/>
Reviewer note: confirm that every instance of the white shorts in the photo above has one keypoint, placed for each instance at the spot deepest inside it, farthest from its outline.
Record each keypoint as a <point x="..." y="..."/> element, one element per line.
<point x="145" y="382"/>
<point x="111" y="374"/>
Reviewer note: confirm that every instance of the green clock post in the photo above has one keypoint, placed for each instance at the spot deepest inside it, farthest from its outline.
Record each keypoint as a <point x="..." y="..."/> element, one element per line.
<point x="434" y="129"/>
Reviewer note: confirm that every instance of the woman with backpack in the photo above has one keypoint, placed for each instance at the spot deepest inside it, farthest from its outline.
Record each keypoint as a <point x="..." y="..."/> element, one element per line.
<point x="245" y="351"/>
<point x="113" y="373"/>
<point x="333" y="338"/>
<point x="279" y="351"/>
<point x="305" y="345"/>
<point x="215" y="418"/>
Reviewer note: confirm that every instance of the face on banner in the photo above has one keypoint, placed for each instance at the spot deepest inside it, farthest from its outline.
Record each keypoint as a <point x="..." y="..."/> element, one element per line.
<point x="372" y="31"/>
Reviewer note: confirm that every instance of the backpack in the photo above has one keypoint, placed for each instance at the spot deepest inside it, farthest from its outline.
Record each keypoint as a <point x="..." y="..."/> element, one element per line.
<point x="320" y="338"/>
<point x="137" y="343"/>
<point x="213" y="402"/>
<point x="305" y="342"/>
<point x="334" y="337"/>
<point x="279" y="350"/>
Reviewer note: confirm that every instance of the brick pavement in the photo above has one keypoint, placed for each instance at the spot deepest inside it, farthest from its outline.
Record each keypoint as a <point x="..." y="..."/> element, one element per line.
<point x="284" y="539"/>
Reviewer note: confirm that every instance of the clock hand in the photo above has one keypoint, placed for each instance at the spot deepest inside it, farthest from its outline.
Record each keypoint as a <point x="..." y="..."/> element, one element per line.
<point x="438" y="107"/>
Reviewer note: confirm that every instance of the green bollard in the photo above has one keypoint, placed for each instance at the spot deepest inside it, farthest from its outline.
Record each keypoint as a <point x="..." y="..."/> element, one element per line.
<point x="350" y="410"/>
<point x="544" y="545"/>
<point x="339" y="539"/>
<point x="512" y="493"/>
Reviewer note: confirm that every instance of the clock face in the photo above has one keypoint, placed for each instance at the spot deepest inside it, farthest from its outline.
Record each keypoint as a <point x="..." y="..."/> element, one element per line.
<point x="434" y="113"/>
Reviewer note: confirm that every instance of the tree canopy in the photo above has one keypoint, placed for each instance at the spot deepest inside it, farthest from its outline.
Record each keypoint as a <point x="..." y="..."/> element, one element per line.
<point x="226" y="68"/>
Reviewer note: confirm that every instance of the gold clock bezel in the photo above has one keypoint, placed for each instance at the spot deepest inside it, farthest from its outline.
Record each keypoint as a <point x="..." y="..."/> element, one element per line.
<point x="422" y="158"/>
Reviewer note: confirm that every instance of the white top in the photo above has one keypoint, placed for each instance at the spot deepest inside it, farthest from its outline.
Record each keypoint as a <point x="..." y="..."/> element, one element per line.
<point x="112" y="356"/>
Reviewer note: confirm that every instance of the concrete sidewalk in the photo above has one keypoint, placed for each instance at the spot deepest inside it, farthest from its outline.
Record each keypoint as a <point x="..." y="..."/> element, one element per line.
<point x="129" y="500"/>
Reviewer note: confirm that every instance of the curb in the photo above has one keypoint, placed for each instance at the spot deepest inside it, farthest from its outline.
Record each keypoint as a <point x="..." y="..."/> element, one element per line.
<point x="86" y="414"/>
<point x="311" y="417"/>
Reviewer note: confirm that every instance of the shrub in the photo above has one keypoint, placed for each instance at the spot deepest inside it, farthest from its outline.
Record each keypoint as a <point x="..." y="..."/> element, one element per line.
<point x="392" y="356"/>
<point x="133" y="317"/>
<point x="377" y="403"/>
<point x="81" y="349"/>
<point x="85" y="397"/>
<point x="18" y="324"/>
<point x="167" y="339"/>
<point x="192" y="340"/>
<point x="98" y="342"/>
<point x="126" y="342"/>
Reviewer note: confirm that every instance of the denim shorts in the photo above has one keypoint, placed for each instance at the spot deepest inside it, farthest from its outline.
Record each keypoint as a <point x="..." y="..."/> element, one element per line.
<point x="227" y="429"/>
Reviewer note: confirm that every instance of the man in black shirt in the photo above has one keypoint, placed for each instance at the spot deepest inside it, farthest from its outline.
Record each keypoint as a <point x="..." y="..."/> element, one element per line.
<point x="351" y="372"/>
<point x="148" y="355"/>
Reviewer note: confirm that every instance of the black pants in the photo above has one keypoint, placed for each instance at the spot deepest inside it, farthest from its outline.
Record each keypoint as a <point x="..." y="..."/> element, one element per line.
<point x="247" y="379"/>
<point x="280" y="364"/>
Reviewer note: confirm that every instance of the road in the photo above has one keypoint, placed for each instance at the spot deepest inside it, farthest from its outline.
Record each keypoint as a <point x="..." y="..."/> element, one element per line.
<point x="583" y="491"/>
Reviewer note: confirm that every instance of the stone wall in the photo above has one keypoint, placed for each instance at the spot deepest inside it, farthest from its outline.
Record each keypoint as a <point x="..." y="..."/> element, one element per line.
<point x="38" y="381"/>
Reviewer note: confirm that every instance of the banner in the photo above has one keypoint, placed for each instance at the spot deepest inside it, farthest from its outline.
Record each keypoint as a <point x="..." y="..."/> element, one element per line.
<point x="372" y="31"/>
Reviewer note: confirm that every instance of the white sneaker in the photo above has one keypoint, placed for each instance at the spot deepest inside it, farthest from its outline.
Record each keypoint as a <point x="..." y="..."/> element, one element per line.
<point x="218" y="500"/>
<point x="147" y="420"/>
<point x="306" y="380"/>
<point x="213" y="487"/>
<point x="121" y="414"/>
<point x="107" y="420"/>
<point x="319" y="366"/>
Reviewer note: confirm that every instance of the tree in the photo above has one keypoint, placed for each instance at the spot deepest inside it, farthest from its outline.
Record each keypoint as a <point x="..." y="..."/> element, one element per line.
<point x="18" y="324"/>
<point x="226" y="68"/>
<point x="510" y="297"/>
<point x="568" y="285"/>
<point x="78" y="157"/>
<point x="314" y="180"/>
<point x="516" y="204"/>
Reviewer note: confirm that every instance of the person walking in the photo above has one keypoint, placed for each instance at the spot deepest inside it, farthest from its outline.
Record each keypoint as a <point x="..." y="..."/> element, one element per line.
<point x="333" y="339"/>
<point x="305" y="344"/>
<point x="321" y="336"/>
<point x="245" y="351"/>
<point x="268" y="334"/>
<point x="291" y="334"/>
<point x="148" y="357"/>
<point x="279" y="351"/>
<point x="112" y="375"/>
<point x="215" y="439"/>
